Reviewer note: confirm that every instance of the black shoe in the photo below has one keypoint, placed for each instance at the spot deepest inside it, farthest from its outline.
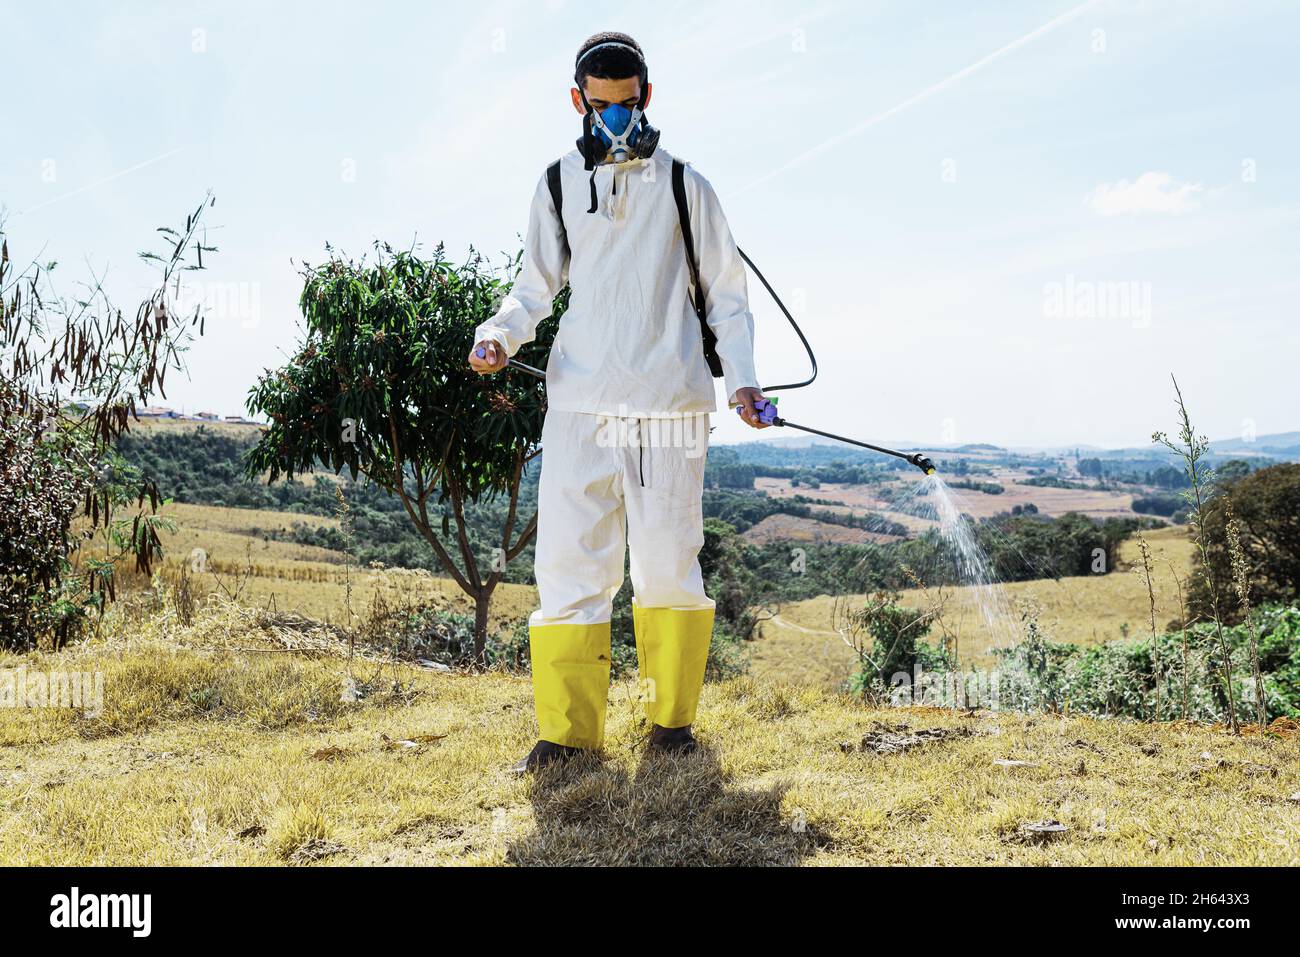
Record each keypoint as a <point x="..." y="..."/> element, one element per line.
<point x="673" y="740"/>
<point x="544" y="753"/>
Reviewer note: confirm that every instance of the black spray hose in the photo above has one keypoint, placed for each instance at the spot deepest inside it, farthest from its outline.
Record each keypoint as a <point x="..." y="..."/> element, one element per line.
<point x="766" y="409"/>
<point x="516" y="364"/>
<point x="812" y="359"/>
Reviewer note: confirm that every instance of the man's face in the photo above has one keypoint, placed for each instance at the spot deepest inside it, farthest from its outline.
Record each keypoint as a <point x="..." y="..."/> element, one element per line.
<point x="601" y="93"/>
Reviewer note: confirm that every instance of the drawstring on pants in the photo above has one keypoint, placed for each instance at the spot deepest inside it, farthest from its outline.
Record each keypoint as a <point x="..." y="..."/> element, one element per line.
<point x="640" y="451"/>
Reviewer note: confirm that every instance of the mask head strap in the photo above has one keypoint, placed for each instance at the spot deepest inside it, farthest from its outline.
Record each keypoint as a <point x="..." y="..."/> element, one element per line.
<point x="645" y="70"/>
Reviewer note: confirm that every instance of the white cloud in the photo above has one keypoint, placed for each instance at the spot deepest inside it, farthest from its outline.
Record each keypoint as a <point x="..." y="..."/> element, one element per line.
<point x="1151" y="192"/>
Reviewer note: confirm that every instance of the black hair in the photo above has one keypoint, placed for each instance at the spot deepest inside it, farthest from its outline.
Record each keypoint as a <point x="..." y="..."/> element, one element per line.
<point x="613" y="62"/>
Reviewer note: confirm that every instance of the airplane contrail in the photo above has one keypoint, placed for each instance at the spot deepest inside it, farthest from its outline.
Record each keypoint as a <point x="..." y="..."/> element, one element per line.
<point x="915" y="98"/>
<point x="100" y="182"/>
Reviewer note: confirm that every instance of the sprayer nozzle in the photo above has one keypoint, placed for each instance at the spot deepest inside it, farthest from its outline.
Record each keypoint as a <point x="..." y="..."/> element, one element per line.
<point x="921" y="462"/>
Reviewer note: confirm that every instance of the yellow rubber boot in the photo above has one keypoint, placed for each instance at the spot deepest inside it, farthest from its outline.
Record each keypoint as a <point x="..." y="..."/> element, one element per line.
<point x="672" y="647"/>
<point x="570" y="682"/>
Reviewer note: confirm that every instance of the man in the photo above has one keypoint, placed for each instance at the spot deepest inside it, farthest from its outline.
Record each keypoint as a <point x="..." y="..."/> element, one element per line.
<point x="629" y="394"/>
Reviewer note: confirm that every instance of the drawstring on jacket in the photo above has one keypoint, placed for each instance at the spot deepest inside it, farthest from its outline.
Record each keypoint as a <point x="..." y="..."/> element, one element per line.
<point x="613" y="189"/>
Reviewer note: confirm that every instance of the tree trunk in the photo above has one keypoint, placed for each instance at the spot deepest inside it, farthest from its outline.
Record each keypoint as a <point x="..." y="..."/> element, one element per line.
<point x="481" y="601"/>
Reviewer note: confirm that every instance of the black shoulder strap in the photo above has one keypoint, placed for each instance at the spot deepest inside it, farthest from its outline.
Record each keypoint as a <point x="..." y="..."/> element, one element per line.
<point x="697" y="296"/>
<point x="557" y="195"/>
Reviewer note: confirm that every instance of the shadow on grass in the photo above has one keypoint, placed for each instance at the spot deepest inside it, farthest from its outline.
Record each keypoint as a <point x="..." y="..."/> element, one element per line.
<point x="673" y="811"/>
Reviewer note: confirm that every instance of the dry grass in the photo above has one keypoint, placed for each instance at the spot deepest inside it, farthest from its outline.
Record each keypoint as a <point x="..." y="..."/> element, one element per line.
<point x="798" y="647"/>
<point x="146" y="427"/>
<point x="210" y="757"/>
<point x="302" y="579"/>
<point x="801" y="645"/>
<point x="860" y="499"/>
<point x="795" y="528"/>
<point x="233" y="534"/>
<point x="241" y="521"/>
<point x="321" y="591"/>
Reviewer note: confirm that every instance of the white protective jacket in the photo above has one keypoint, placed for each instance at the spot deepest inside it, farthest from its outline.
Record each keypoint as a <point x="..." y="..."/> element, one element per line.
<point x="629" y="344"/>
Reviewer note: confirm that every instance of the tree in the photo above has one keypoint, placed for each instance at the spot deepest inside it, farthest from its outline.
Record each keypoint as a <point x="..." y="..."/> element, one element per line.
<point x="380" y="386"/>
<point x="1158" y="504"/>
<point x="1228" y="472"/>
<point x="1167" y="477"/>
<point x="885" y="635"/>
<point x="725" y="568"/>
<point x="1267" y="508"/>
<point x="73" y="373"/>
<point x="1192" y="448"/>
<point x="1090" y="468"/>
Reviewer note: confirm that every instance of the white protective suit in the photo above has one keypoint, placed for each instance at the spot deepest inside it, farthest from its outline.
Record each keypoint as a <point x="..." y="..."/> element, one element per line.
<point x="628" y="397"/>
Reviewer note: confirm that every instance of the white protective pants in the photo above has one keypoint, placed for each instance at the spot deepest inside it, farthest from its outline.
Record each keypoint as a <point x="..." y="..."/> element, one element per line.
<point x="607" y="481"/>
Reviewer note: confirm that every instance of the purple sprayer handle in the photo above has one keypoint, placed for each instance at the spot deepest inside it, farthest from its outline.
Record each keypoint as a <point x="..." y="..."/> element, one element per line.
<point x="765" y="408"/>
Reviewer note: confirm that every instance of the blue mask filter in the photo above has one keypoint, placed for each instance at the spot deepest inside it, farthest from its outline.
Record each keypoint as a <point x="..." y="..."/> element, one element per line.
<point x="617" y="128"/>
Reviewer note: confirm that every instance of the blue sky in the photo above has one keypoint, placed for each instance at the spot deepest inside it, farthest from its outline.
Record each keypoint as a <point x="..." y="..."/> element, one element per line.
<point x="998" y="222"/>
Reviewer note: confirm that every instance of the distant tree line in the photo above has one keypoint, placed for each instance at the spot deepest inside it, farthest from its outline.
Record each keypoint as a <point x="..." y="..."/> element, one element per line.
<point x="206" y="467"/>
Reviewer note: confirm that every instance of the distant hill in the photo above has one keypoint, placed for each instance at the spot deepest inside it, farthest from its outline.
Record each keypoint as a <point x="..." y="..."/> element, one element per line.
<point x="1279" y="446"/>
<point x="1283" y="446"/>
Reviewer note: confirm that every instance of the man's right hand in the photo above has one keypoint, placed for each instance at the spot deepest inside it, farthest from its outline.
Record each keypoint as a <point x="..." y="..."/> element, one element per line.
<point x="487" y="357"/>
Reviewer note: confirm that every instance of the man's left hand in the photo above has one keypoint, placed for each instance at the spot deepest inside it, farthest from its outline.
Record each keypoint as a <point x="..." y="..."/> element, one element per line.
<point x="746" y="399"/>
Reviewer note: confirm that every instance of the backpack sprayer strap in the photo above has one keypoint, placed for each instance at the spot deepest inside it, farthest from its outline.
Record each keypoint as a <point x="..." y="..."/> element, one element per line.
<point x="697" y="294"/>
<point x="711" y="340"/>
<point x="684" y="219"/>
<point x="557" y="197"/>
<point x="766" y="409"/>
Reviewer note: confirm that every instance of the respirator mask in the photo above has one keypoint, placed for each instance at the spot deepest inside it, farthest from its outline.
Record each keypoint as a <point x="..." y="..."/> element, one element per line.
<point x="627" y="134"/>
<point x="618" y="130"/>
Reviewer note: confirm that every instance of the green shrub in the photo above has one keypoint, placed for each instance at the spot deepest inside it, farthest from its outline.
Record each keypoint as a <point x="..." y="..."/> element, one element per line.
<point x="1147" y="679"/>
<point x="888" y="638"/>
<point x="1165" y="505"/>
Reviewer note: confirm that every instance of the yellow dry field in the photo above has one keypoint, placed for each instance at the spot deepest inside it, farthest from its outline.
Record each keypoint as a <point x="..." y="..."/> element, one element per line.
<point x="800" y="644"/>
<point x="1095" y="503"/>
<point x="205" y="756"/>
<point x="249" y="738"/>
<point x="856" y="499"/>
<point x="796" y="528"/>
<point x="185" y="426"/>
<point x="842" y="499"/>
<point x="227" y="552"/>
<point x="229" y="535"/>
